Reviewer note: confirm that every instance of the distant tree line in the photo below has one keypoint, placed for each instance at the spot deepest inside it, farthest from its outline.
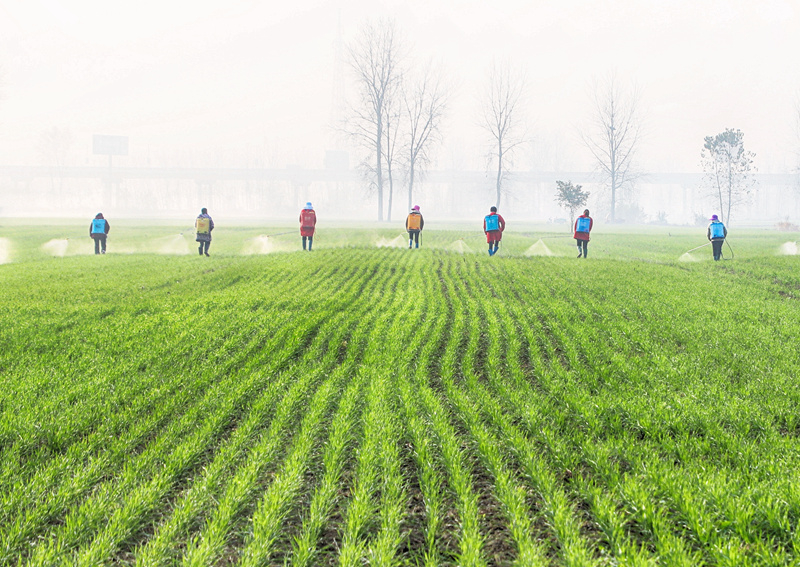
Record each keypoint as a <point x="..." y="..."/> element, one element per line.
<point x="396" y="122"/>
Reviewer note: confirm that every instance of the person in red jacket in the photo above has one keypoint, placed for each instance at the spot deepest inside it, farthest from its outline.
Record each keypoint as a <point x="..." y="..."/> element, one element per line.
<point x="493" y="226"/>
<point x="308" y="223"/>
<point x="583" y="226"/>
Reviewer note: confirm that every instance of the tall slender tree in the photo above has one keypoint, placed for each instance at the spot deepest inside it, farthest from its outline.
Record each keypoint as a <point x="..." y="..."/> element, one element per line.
<point x="503" y="119"/>
<point x="375" y="60"/>
<point x="728" y="167"/>
<point x="393" y="125"/>
<point x="614" y="134"/>
<point x="570" y="197"/>
<point x="424" y="104"/>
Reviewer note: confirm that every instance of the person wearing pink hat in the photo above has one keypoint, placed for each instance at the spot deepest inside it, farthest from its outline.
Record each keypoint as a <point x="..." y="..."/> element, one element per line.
<point x="717" y="233"/>
<point x="414" y="224"/>
<point x="308" y="224"/>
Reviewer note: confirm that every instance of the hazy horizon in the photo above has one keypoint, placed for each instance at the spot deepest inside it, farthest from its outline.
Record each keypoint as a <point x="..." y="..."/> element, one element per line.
<point x="243" y="83"/>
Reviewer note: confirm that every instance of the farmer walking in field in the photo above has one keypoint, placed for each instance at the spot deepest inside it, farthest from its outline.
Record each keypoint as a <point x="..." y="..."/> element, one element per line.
<point x="414" y="224"/>
<point x="493" y="226"/>
<point x="308" y="223"/>
<point x="583" y="226"/>
<point x="203" y="225"/>
<point x="98" y="231"/>
<point x="717" y="233"/>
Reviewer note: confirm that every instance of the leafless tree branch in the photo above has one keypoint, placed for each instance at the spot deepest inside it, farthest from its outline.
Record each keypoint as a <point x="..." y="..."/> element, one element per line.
<point x="613" y="134"/>
<point x="374" y="59"/>
<point x="502" y="118"/>
<point x="424" y="104"/>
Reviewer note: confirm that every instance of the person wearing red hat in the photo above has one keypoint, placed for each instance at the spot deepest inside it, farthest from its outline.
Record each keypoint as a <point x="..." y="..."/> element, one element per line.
<point x="308" y="224"/>
<point x="716" y="233"/>
<point x="583" y="226"/>
<point x="493" y="227"/>
<point x="414" y="224"/>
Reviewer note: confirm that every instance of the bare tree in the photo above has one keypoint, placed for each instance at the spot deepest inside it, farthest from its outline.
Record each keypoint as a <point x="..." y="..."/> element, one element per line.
<point x="424" y="105"/>
<point x="614" y="134"/>
<point x="502" y="118"/>
<point x="392" y="126"/>
<point x="374" y="58"/>
<point x="727" y="166"/>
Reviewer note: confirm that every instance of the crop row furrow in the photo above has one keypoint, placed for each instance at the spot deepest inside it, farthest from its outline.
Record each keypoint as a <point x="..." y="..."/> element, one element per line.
<point x="112" y="447"/>
<point x="640" y="505"/>
<point x="280" y="495"/>
<point x="118" y="506"/>
<point x="560" y="513"/>
<point x="198" y="499"/>
<point x="362" y="507"/>
<point x="304" y="546"/>
<point x="454" y="459"/>
<point x="110" y="444"/>
<point x="383" y="548"/>
<point x="84" y="478"/>
<point x="208" y="545"/>
<point x="484" y="354"/>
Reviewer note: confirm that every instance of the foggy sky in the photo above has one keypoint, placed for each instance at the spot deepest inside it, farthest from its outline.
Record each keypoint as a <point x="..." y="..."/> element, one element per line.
<point x="233" y="80"/>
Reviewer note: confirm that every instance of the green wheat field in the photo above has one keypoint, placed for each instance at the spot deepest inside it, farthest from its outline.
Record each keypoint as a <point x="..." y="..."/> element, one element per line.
<point x="369" y="404"/>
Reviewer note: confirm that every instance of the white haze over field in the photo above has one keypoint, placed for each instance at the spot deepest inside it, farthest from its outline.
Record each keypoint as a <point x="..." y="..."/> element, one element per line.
<point x="788" y="249"/>
<point x="689" y="257"/>
<point x="5" y="250"/>
<point x="539" y="249"/>
<point x="171" y="245"/>
<point x="56" y="247"/>
<point x="265" y="244"/>
<point x="399" y="241"/>
<point x="238" y="83"/>
<point x="461" y="247"/>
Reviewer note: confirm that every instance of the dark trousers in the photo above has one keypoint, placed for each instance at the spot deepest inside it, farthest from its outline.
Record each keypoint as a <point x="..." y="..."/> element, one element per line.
<point x="310" y="242"/>
<point x="716" y="247"/>
<point x="582" y="247"/>
<point x="493" y="246"/>
<point x="100" y="245"/>
<point x="203" y="248"/>
<point x="413" y="236"/>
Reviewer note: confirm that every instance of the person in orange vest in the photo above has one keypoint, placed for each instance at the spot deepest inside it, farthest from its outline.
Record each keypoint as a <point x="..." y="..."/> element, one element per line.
<point x="493" y="226"/>
<point x="308" y="223"/>
<point x="414" y="224"/>
<point x="203" y="225"/>
<point x="583" y="226"/>
<point x="98" y="231"/>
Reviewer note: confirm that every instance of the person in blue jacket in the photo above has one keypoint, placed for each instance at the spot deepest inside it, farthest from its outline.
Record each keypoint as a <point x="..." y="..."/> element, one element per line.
<point x="717" y="233"/>
<point x="98" y="231"/>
